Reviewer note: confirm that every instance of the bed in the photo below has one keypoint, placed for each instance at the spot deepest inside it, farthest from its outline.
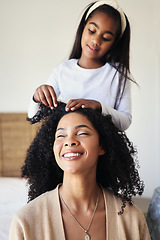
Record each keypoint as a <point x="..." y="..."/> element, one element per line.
<point x="16" y="135"/>
<point x="13" y="193"/>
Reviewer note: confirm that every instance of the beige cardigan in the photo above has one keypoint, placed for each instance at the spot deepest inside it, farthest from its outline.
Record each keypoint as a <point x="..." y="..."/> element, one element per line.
<point x="41" y="219"/>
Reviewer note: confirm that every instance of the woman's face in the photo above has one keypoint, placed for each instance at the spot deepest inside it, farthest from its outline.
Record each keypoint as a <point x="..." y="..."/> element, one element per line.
<point x="98" y="36"/>
<point x="76" y="145"/>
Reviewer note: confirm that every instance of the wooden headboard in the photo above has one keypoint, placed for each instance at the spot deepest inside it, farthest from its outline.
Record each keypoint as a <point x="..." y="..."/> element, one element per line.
<point x="16" y="135"/>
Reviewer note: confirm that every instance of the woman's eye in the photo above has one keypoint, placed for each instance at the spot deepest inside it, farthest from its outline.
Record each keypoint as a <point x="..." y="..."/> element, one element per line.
<point x="60" y="135"/>
<point x="83" y="133"/>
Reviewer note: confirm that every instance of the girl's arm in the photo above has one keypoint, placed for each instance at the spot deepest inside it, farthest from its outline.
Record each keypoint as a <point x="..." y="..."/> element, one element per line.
<point x="121" y="115"/>
<point x="122" y="120"/>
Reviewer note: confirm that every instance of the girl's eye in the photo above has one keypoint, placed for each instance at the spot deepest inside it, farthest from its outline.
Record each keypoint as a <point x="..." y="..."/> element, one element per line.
<point x="91" y="31"/>
<point x="106" y="39"/>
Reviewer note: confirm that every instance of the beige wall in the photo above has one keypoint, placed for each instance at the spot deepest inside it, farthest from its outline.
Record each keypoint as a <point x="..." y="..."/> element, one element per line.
<point x="36" y="35"/>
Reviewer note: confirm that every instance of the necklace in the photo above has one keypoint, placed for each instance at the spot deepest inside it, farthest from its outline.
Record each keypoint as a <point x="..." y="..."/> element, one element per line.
<point x="86" y="236"/>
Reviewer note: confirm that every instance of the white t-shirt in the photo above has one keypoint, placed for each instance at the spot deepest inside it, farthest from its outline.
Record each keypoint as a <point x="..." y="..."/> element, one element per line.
<point x="70" y="81"/>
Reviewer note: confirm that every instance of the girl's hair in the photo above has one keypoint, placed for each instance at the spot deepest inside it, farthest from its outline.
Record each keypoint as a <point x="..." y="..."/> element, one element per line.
<point x="116" y="169"/>
<point x="118" y="55"/>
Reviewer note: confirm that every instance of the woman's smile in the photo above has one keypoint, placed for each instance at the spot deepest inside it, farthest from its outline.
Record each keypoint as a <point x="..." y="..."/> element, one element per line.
<point x="72" y="155"/>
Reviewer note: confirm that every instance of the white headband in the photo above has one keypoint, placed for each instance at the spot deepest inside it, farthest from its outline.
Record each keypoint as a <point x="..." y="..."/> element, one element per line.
<point x="113" y="4"/>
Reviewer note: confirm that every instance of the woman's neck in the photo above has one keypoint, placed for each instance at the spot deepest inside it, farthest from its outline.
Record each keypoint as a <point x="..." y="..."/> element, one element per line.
<point x="82" y="205"/>
<point x="79" y="192"/>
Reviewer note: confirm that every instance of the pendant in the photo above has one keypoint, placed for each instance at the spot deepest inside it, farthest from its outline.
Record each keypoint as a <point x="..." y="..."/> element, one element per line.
<point x="87" y="237"/>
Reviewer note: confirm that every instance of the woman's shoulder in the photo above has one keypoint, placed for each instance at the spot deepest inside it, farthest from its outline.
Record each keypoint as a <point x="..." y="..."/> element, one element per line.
<point x="116" y="201"/>
<point x="132" y="221"/>
<point x="36" y="205"/>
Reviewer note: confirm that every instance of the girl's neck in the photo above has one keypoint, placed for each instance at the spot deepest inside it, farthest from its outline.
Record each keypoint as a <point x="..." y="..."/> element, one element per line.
<point x="89" y="63"/>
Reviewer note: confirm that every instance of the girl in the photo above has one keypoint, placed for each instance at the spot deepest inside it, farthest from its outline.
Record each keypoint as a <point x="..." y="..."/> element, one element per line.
<point x="97" y="73"/>
<point x="84" y="189"/>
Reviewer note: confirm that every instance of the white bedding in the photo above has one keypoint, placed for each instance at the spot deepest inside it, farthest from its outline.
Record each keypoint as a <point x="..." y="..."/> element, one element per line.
<point x="13" y="195"/>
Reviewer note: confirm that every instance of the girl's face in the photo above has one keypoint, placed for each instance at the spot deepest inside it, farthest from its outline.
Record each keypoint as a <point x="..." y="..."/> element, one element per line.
<point x="98" y="37"/>
<point x="76" y="145"/>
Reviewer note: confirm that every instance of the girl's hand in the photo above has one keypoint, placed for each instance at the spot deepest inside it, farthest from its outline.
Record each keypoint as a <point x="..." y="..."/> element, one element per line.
<point x="74" y="104"/>
<point x="45" y="94"/>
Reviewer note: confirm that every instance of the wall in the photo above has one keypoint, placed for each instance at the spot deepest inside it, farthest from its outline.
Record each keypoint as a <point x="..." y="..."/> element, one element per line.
<point x="37" y="35"/>
<point x="145" y="65"/>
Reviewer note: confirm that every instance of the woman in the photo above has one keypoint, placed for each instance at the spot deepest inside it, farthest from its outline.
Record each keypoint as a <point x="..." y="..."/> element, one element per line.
<point x="84" y="189"/>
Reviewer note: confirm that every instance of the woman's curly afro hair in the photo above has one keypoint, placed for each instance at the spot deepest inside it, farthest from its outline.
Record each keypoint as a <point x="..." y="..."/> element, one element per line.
<point x="116" y="169"/>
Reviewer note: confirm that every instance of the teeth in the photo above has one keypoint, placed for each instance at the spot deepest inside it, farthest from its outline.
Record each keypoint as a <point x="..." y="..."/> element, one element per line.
<point x="71" y="154"/>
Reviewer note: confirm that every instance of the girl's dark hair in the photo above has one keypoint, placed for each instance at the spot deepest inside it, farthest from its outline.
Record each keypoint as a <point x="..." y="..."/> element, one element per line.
<point x="118" y="55"/>
<point x="116" y="169"/>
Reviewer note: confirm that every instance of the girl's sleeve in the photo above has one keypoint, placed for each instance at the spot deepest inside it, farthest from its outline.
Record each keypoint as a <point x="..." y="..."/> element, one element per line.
<point x="52" y="81"/>
<point x="121" y="116"/>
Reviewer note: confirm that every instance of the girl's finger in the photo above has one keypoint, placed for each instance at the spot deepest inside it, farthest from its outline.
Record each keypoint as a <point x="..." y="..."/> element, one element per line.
<point x="76" y="106"/>
<point x="48" y="98"/>
<point x="36" y="97"/>
<point x="71" y="104"/>
<point x="43" y="98"/>
<point x="53" y="96"/>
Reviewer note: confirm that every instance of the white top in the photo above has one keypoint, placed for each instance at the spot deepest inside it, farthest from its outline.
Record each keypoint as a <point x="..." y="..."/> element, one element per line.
<point x="70" y="81"/>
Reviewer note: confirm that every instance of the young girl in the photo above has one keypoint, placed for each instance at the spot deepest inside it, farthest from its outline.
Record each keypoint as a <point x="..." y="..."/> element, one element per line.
<point x="97" y="74"/>
<point x="82" y="176"/>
